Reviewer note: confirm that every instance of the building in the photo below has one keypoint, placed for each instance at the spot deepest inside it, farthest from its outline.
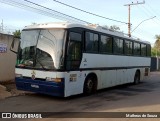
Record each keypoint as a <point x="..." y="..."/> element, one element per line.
<point x="7" y="57"/>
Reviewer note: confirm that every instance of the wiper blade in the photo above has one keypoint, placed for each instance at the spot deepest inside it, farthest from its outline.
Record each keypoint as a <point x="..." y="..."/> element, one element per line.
<point x="41" y="64"/>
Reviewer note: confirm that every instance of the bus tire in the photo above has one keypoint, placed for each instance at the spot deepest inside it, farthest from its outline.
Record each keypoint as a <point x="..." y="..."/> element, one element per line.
<point x="89" y="85"/>
<point x="137" y="77"/>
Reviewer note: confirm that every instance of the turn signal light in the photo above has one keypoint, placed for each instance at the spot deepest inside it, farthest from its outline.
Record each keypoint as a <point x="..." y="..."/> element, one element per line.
<point x="53" y="79"/>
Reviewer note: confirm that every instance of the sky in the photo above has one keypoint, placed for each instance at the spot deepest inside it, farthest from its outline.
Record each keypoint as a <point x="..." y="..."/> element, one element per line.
<point x="17" y="18"/>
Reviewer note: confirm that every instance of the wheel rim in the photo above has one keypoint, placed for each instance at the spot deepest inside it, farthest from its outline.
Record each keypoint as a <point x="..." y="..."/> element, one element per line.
<point x="90" y="85"/>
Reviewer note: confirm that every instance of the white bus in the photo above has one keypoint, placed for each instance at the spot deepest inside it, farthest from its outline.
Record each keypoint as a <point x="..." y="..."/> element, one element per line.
<point x="64" y="59"/>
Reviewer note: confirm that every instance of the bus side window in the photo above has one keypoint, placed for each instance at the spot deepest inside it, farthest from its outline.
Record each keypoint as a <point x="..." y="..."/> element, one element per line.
<point x="128" y="47"/>
<point x="74" y="51"/>
<point x="91" y="42"/>
<point x="143" y="50"/>
<point x="148" y="50"/>
<point x="105" y="44"/>
<point x="137" y="49"/>
<point x="118" y="45"/>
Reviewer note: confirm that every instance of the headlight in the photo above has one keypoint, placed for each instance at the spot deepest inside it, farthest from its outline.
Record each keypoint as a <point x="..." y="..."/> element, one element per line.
<point x="53" y="79"/>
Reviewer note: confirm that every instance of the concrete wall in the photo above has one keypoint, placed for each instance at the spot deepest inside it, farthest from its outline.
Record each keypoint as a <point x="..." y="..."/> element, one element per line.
<point x="7" y="58"/>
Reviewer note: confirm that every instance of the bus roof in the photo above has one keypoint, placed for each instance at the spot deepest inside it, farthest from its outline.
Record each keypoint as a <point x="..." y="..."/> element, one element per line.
<point x="87" y="26"/>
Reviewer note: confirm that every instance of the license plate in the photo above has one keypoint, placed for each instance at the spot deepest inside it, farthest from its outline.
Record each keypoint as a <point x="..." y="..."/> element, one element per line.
<point x="34" y="86"/>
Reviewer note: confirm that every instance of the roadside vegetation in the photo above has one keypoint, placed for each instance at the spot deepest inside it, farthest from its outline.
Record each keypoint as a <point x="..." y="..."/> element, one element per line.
<point x="155" y="52"/>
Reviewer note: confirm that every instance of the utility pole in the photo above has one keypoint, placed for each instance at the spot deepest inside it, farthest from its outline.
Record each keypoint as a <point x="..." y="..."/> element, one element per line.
<point x="129" y="15"/>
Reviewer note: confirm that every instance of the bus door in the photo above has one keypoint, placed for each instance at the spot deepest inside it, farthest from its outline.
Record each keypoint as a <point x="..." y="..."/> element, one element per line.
<point x="73" y="83"/>
<point x="74" y="52"/>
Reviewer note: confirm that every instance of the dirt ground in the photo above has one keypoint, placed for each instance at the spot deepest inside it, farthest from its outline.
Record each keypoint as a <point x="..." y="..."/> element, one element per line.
<point x="8" y="89"/>
<point x="132" y="98"/>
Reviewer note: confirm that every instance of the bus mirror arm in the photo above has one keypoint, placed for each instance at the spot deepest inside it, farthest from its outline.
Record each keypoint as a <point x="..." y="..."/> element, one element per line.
<point x="13" y="51"/>
<point x="12" y="47"/>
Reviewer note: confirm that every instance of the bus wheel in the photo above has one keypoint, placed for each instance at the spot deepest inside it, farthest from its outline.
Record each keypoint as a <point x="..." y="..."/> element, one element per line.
<point x="89" y="86"/>
<point x="137" y="77"/>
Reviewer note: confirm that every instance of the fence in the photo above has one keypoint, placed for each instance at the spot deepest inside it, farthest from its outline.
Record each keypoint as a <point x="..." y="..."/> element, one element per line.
<point x="155" y="63"/>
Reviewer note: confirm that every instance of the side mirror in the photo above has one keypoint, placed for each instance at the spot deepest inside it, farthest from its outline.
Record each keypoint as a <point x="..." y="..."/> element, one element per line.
<point x="14" y="45"/>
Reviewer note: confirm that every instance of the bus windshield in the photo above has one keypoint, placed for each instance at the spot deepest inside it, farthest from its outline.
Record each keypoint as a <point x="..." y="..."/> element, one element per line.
<point x="41" y="49"/>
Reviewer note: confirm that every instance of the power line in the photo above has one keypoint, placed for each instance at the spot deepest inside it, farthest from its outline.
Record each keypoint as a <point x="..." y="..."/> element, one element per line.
<point x="89" y="12"/>
<point x="51" y="12"/>
<point x="56" y="11"/>
<point x="149" y="13"/>
<point x="153" y="10"/>
<point x="142" y="22"/>
<point x="34" y="7"/>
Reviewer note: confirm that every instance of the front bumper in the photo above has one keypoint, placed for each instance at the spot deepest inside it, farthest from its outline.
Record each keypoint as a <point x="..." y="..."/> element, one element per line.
<point x="39" y="86"/>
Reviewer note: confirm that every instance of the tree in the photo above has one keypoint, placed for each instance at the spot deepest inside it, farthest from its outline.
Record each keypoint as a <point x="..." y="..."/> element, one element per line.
<point x="157" y="43"/>
<point x="155" y="52"/>
<point x="17" y="33"/>
<point x="156" y="48"/>
<point x="115" y="28"/>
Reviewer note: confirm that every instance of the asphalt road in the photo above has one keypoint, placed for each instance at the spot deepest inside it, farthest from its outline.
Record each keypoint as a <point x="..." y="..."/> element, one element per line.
<point x="144" y="97"/>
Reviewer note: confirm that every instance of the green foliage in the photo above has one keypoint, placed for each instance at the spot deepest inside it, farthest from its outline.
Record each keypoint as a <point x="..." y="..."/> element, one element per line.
<point x="157" y="43"/>
<point x="155" y="52"/>
<point x="113" y="27"/>
<point x="17" y="33"/>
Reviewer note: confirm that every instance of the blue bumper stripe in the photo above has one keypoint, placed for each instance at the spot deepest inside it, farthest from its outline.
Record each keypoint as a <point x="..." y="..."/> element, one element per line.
<point x="39" y="86"/>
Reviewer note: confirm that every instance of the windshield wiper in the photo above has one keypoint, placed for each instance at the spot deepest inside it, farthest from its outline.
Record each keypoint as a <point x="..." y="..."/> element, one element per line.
<point x="41" y="64"/>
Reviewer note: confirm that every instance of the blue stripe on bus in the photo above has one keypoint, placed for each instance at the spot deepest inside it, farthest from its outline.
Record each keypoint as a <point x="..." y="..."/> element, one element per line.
<point x="39" y="86"/>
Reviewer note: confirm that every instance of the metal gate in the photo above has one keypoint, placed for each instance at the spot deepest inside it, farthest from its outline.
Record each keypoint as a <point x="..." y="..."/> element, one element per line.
<point x="153" y="64"/>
